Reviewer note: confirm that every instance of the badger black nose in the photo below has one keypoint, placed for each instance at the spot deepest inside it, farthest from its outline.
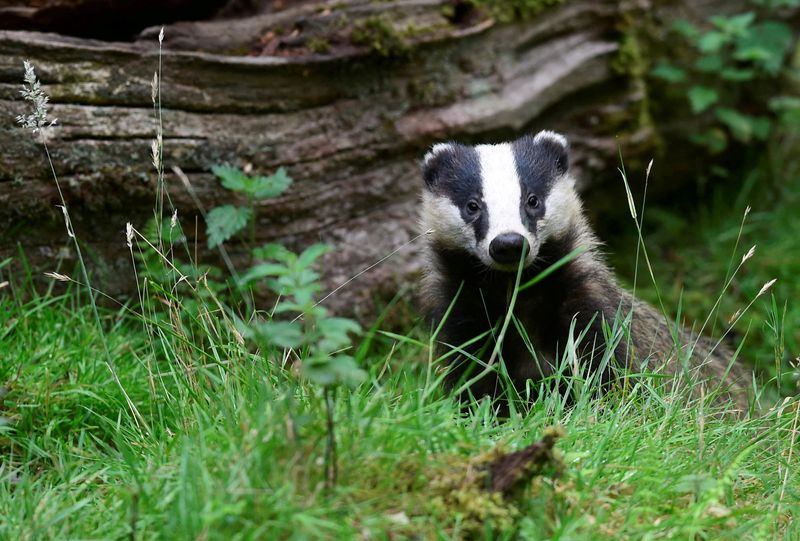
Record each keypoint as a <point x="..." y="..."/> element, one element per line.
<point x="507" y="248"/>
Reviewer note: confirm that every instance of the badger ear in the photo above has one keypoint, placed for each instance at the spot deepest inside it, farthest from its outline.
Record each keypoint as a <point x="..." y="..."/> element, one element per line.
<point x="434" y="160"/>
<point x="556" y="148"/>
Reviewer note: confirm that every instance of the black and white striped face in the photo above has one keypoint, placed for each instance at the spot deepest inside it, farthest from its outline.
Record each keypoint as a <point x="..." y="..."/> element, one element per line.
<point x="492" y="201"/>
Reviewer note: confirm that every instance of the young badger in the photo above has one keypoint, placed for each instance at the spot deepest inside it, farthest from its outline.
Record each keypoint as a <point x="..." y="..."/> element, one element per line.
<point x="483" y="206"/>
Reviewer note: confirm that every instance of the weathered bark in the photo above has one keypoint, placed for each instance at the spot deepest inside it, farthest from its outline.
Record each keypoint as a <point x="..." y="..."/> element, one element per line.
<point x="348" y="123"/>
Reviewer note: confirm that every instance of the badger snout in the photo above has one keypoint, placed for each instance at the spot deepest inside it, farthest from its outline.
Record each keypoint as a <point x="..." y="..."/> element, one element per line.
<point x="507" y="248"/>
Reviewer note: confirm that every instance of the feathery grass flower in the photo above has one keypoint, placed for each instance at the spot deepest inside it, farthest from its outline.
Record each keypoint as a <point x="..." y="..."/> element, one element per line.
<point x="33" y="93"/>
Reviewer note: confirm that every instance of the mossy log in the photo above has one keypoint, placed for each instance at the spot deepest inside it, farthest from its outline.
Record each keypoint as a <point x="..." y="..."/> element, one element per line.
<point x="348" y="118"/>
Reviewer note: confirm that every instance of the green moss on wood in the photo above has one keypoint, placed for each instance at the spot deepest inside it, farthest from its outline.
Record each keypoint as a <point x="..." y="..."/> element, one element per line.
<point x="515" y="10"/>
<point x="379" y="35"/>
<point x="632" y="62"/>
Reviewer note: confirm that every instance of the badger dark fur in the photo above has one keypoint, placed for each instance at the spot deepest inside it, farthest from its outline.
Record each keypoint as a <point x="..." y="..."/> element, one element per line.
<point x="481" y="206"/>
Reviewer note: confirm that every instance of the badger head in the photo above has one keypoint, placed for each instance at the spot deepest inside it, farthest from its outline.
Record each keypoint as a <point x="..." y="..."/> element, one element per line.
<point x="497" y="201"/>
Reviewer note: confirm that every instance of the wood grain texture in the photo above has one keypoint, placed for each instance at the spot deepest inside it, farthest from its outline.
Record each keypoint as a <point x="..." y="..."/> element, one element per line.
<point x="350" y="125"/>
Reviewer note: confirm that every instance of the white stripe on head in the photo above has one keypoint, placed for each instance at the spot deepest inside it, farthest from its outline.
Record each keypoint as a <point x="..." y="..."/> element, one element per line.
<point x="501" y="195"/>
<point x="436" y="149"/>
<point x="552" y="136"/>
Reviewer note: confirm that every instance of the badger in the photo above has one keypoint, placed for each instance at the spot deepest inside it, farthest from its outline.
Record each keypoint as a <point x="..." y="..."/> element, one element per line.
<point x="496" y="216"/>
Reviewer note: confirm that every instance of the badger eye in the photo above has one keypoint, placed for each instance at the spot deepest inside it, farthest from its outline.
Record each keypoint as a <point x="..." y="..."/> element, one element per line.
<point x="473" y="207"/>
<point x="533" y="201"/>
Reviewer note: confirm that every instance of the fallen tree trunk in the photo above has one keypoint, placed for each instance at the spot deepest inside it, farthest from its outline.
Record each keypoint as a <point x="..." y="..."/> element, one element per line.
<point x="346" y="98"/>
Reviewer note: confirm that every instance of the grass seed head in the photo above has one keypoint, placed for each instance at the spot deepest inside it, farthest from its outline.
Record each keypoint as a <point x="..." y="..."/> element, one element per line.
<point x="32" y="92"/>
<point x="58" y="276"/>
<point x="749" y="254"/>
<point x="129" y="235"/>
<point x="154" y="87"/>
<point x="766" y="287"/>
<point x="155" y="151"/>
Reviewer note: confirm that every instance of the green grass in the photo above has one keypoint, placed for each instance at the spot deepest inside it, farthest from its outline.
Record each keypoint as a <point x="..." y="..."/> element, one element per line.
<point x="200" y="435"/>
<point x="694" y="252"/>
<point x="219" y="442"/>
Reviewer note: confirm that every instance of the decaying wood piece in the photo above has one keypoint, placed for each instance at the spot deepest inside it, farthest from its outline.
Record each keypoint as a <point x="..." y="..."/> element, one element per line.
<point x="508" y="471"/>
<point x="348" y="120"/>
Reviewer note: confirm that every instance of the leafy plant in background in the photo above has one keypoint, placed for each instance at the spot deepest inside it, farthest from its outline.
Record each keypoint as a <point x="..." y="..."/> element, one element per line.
<point x="298" y="324"/>
<point x="729" y="56"/>
<point x="225" y="221"/>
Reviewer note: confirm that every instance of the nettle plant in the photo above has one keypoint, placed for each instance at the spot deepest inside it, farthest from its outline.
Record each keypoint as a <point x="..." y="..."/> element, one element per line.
<point x="297" y="328"/>
<point x="225" y="221"/>
<point x="729" y="56"/>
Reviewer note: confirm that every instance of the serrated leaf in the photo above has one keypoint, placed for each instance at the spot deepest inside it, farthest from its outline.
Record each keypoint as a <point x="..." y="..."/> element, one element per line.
<point x="278" y="252"/>
<point x="339" y="325"/>
<point x="224" y="222"/>
<point x="702" y="97"/>
<point x="669" y="73"/>
<point x="263" y="270"/>
<point x="271" y="186"/>
<point x="282" y="334"/>
<point x="311" y="254"/>
<point x="231" y="177"/>
<point x="258" y="187"/>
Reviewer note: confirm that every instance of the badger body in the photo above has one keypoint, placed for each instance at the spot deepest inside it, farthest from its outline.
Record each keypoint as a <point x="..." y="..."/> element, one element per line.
<point x="492" y="211"/>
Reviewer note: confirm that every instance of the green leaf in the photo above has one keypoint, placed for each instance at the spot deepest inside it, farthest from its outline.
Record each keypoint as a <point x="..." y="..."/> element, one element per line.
<point x="332" y="370"/>
<point x="712" y="42"/>
<point x="744" y="127"/>
<point x="258" y="187"/>
<point x="714" y="140"/>
<point x="303" y="294"/>
<point x="669" y="73"/>
<point x="695" y="483"/>
<point x="765" y="45"/>
<point x="271" y="186"/>
<point x="784" y="103"/>
<point x="336" y="332"/>
<point x="710" y="63"/>
<point x="231" y="177"/>
<point x="686" y="29"/>
<point x="261" y="271"/>
<point x="278" y="252"/>
<point x="736" y="25"/>
<point x="282" y="334"/>
<point x="224" y="222"/>
<point x="311" y="254"/>
<point x="701" y="98"/>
